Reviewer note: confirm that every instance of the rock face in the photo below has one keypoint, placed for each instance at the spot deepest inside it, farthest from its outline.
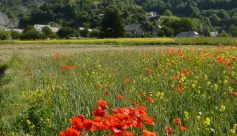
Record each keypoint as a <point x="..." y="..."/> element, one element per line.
<point x="6" y="22"/>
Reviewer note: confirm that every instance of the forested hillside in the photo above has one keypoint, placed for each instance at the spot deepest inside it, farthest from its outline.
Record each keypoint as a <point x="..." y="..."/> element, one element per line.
<point x="208" y="15"/>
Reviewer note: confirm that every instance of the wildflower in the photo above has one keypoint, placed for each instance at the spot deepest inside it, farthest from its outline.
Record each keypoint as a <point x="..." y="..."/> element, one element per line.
<point x="151" y="93"/>
<point x="149" y="99"/>
<point x="233" y="58"/>
<point x="142" y="94"/>
<point x="207" y="122"/>
<point x="148" y="133"/>
<point x="178" y="121"/>
<point x="135" y="103"/>
<point x="102" y="104"/>
<point x="127" y="80"/>
<point x="182" y="128"/>
<point x="189" y="59"/>
<point x="106" y="55"/>
<point x="120" y="97"/>
<point x="179" y="89"/>
<point x="99" y="112"/>
<point x="168" y="130"/>
<point x="106" y="92"/>
<point x="88" y="124"/>
<point x="232" y="131"/>
<point x="180" y="85"/>
<point x="234" y="93"/>
<point x="149" y="69"/>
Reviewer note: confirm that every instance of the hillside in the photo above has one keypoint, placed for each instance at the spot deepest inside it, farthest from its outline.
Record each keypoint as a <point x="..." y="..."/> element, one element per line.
<point x="208" y="15"/>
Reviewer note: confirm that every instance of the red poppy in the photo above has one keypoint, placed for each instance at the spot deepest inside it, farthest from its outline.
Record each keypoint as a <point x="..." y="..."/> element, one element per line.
<point x="88" y="124"/>
<point x="178" y="121"/>
<point x="135" y="103"/>
<point x="142" y="94"/>
<point x="168" y="130"/>
<point x="233" y="58"/>
<point x="91" y="68"/>
<point x="148" y="133"/>
<point x="180" y="85"/>
<point x="179" y="89"/>
<point x="106" y="55"/>
<point x="99" y="112"/>
<point x="189" y="59"/>
<point x="102" y="104"/>
<point x="127" y="80"/>
<point x="149" y="69"/>
<point x="149" y="99"/>
<point x="191" y="72"/>
<point x="106" y="92"/>
<point x="234" y="93"/>
<point x="120" y="97"/>
<point x="182" y="128"/>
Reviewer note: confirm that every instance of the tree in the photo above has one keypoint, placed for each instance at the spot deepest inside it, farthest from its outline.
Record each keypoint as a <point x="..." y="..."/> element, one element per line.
<point x="233" y="30"/>
<point x="15" y="34"/>
<point x="182" y="25"/>
<point x="64" y="31"/>
<point x="224" y="34"/>
<point x="165" y="31"/>
<point x="31" y="34"/>
<point x="47" y="31"/>
<point x="168" y="12"/>
<point x="111" y="25"/>
<point x="28" y="28"/>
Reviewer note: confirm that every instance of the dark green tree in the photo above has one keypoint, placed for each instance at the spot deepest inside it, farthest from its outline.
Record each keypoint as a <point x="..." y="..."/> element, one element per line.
<point x="15" y="34"/>
<point x="167" y="13"/>
<point x="64" y="31"/>
<point x="47" y="31"/>
<point x="31" y="34"/>
<point x="165" y="31"/>
<point x="28" y="28"/>
<point x="233" y="30"/>
<point x="112" y="25"/>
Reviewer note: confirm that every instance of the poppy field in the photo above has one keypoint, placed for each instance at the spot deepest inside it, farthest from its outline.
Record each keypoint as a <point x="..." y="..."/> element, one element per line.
<point x="183" y="90"/>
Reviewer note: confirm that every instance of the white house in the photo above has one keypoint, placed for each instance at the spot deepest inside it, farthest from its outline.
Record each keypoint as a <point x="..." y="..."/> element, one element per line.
<point x="137" y="30"/>
<point x="39" y="28"/>
<point x="18" y="30"/>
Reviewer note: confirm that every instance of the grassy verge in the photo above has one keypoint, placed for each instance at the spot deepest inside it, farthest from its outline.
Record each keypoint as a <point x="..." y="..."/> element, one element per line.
<point x="138" y="41"/>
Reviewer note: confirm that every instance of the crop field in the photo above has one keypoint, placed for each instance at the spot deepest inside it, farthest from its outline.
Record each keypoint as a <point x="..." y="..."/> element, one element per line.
<point x="127" y="90"/>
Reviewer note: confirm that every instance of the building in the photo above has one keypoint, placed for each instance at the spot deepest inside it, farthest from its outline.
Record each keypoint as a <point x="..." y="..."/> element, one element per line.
<point x="188" y="34"/>
<point x="137" y="30"/>
<point x="155" y="31"/>
<point x="80" y="29"/>
<point x="18" y="30"/>
<point x="153" y="16"/>
<point x="101" y="16"/>
<point x="39" y="28"/>
<point x="214" y="34"/>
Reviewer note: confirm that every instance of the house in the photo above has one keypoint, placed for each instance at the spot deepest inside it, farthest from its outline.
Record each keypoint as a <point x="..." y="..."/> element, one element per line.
<point x="80" y="29"/>
<point x="155" y="30"/>
<point x="70" y="36"/>
<point x="188" y="34"/>
<point x="95" y="10"/>
<point x="101" y="16"/>
<point x="18" y="30"/>
<point x="39" y="28"/>
<point x="214" y="34"/>
<point x="153" y="16"/>
<point x="137" y="30"/>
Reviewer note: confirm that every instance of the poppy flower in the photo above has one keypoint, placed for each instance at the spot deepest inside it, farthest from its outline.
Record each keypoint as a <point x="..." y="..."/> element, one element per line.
<point x="106" y="55"/>
<point x="82" y="117"/>
<point x="233" y="58"/>
<point x="99" y="112"/>
<point x="106" y="92"/>
<point x="182" y="128"/>
<point x="178" y="121"/>
<point x="149" y="99"/>
<point x="189" y="59"/>
<point x="148" y="133"/>
<point x="168" y="130"/>
<point x="102" y="104"/>
<point x="88" y="124"/>
<point x="142" y="94"/>
<point x="120" y="97"/>
<point x="127" y="80"/>
<point x="191" y="72"/>
<point x="179" y="89"/>
<point x="180" y="85"/>
<point x="234" y="93"/>
<point x="149" y="69"/>
<point x="91" y="68"/>
<point x="135" y="103"/>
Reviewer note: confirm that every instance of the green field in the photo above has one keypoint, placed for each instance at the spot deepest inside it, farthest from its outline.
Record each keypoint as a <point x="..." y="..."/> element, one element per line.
<point x="193" y="84"/>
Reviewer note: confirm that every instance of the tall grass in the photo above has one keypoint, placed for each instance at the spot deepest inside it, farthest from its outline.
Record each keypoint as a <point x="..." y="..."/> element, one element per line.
<point x="40" y="98"/>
